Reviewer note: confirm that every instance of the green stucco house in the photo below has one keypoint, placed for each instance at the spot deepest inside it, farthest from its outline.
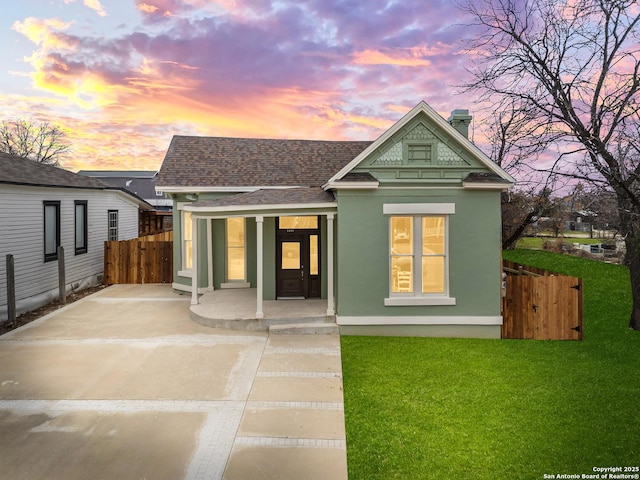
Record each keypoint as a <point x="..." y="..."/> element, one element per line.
<point x="401" y="235"/>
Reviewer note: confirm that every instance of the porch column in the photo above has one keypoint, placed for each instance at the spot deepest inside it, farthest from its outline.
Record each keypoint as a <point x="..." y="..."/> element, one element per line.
<point x="331" y="309"/>
<point x="210" y="253"/>
<point x="260" y="260"/>
<point x="194" y="260"/>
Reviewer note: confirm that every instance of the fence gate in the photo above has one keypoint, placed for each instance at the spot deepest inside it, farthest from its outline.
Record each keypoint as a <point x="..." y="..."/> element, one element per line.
<point x="541" y="305"/>
<point x="141" y="260"/>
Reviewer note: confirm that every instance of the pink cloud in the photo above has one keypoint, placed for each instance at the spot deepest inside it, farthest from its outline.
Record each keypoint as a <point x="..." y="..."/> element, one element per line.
<point x="315" y="69"/>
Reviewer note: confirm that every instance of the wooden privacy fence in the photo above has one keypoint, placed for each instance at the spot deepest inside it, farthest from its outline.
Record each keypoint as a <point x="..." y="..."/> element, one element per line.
<point x="141" y="260"/>
<point x="541" y="305"/>
<point x="158" y="237"/>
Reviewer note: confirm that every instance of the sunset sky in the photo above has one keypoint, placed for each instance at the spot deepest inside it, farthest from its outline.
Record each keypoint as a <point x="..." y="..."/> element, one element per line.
<point x="123" y="76"/>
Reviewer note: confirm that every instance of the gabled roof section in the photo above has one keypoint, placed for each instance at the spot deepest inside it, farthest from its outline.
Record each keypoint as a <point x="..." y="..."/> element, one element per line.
<point x="421" y="109"/>
<point x="21" y="171"/>
<point x="195" y="163"/>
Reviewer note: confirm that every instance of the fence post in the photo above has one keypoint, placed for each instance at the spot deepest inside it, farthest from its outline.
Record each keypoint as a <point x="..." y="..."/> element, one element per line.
<point x="11" y="291"/>
<point x="62" y="283"/>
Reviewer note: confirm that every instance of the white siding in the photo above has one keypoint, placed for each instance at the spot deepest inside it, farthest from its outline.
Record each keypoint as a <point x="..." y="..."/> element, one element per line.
<point x="22" y="235"/>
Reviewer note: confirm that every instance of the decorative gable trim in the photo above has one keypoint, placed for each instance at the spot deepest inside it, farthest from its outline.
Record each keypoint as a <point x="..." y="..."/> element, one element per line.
<point x="393" y="156"/>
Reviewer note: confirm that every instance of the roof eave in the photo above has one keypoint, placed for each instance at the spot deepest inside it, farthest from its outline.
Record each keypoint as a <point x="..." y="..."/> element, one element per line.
<point x="487" y="186"/>
<point x="351" y="185"/>
<point x="259" y="208"/>
<point x="209" y="189"/>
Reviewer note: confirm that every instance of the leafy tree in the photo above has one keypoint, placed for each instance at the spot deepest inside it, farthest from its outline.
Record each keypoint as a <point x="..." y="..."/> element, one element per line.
<point x="572" y="69"/>
<point x="43" y="143"/>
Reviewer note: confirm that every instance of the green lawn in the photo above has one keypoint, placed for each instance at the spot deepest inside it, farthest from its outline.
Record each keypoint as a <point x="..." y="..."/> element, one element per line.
<point x="422" y="408"/>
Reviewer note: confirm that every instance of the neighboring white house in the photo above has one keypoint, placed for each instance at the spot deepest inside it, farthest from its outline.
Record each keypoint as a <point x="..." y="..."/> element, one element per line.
<point x="44" y="207"/>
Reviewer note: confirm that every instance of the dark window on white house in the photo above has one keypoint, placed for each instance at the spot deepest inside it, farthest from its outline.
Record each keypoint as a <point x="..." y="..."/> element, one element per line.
<point x="112" y="234"/>
<point x="51" y="230"/>
<point x="81" y="226"/>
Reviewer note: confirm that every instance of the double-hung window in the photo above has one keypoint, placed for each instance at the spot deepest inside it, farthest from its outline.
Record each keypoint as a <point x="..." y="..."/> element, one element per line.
<point x="51" y="230"/>
<point x="112" y="225"/>
<point x="419" y="254"/>
<point x="81" y="231"/>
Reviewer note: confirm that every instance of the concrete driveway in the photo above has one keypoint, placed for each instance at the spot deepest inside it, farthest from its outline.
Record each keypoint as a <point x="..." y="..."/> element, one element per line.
<point x="122" y="385"/>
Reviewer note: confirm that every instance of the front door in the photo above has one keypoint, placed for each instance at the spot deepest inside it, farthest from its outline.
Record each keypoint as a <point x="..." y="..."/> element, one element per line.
<point x="292" y="273"/>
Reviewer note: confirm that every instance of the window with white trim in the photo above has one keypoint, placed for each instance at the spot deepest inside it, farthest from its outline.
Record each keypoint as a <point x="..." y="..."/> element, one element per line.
<point x="187" y="240"/>
<point x="235" y="243"/>
<point x="419" y="254"/>
<point x="112" y="232"/>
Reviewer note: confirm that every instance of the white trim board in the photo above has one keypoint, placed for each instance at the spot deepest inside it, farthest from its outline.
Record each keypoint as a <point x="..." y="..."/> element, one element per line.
<point x="256" y="208"/>
<point x="210" y="189"/>
<point x="419" y="208"/>
<point x="435" y="320"/>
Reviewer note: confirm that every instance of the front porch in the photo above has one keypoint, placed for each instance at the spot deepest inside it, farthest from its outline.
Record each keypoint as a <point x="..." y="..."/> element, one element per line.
<point x="236" y="309"/>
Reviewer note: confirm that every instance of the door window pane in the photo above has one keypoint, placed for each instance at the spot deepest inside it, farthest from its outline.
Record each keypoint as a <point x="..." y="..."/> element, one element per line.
<point x="313" y="253"/>
<point x="290" y="255"/>
<point x="235" y="248"/>
<point x="292" y="223"/>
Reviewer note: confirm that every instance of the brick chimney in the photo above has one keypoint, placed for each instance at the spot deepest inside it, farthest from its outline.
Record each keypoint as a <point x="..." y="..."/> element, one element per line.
<point x="460" y="120"/>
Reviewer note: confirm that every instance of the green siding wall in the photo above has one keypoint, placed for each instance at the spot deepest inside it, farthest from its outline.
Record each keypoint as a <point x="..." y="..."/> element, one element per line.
<point x="474" y="252"/>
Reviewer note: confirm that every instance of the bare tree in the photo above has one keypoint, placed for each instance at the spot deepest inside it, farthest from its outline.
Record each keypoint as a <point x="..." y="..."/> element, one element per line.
<point x="509" y="136"/>
<point x="572" y="68"/>
<point x="43" y="143"/>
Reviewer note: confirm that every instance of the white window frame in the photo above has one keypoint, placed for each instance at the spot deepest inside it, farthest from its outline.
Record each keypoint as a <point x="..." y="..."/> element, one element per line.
<point x="417" y="211"/>
<point x="185" y="271"/>
<point x="112" y="230"/>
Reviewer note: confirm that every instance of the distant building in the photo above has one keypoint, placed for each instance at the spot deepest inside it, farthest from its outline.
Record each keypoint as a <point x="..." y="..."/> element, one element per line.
<point x="141" y="183"/>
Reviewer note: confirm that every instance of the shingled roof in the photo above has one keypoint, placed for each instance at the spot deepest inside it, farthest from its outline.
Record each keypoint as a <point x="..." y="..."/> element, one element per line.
<point x="270" y="197"/>
<point x="21" y="171"/>
<point x="253" y="162"/>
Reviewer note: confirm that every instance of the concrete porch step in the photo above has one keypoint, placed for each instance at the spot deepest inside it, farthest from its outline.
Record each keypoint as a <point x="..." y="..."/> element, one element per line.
<point x="305" y="329"/>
